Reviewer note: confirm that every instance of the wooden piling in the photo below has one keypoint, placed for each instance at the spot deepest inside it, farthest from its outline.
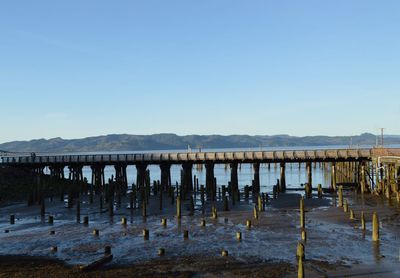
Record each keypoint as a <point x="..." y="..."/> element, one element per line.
<point x="300" y="268"/>
<point x="340" y="196"/>
<point x="260" y="203"/>
<point x="42" y="208"/>
<point x="12" y="219"/>
<point x="375" y="227"/>
<point x="239" y="236"/>
<point x="248" y="224"/>
<point x="78" y="211"/>
<point x="124" y="221"/>
<point x="214" y="212"/>
<point x="86" y="220"/>
<point x="346" y="206"/>
<point x="303" y="235"/>
<point x="320" y="193"/>
<point x="178" y="207"/>
<point x="255" y="213"/>
<point x="362" y="221"/>
<point x="107" y="250"/>
<point x="300" y="250"/>
<point x="146" y="234"/>
<point x="352" y="217"/>
<point x="302" y="214"/>
<point x="226" y="206"/>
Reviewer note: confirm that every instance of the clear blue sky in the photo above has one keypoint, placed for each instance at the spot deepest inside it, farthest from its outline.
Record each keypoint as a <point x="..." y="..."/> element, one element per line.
<point x="81" y="68"/>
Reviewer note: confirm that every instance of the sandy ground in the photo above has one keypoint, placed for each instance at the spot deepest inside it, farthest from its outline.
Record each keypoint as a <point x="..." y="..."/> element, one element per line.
<point x="335" y="246"/>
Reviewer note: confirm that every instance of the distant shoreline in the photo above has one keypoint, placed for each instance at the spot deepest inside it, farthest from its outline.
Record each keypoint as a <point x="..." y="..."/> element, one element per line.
<point x="159" y="142"/>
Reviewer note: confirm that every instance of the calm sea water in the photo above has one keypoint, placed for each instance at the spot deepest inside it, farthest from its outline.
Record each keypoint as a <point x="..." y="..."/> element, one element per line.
<point x="295" y="174"/>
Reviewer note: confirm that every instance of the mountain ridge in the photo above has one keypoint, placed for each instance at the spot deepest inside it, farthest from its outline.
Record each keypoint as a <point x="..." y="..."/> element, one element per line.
<point x="170" y="141"/>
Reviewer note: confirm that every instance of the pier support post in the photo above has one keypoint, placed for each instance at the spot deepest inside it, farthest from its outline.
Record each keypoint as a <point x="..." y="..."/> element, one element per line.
<point x="333" y="176"/>
<point x="309" y="174"/>
<point x="98" y="177"/>
<point x="256" y="184"/>
<point x="120" y="177"/>
<point x="234" y="180"/>
<point x="362" y="178"/>
<point x="187" y="178"/>
<point x="302" y="214"/>
<point x="165" y="176"/>
<point x="141" y="180"/>
<point x="210" y="180"/>
<point x="283" y="178"/>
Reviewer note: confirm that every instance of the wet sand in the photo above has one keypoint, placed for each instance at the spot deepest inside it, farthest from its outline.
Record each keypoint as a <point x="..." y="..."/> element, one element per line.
<point x="335" y="247"/>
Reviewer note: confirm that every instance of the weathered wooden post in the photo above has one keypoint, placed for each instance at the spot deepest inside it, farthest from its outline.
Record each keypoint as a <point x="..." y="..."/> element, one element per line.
<point x="362" y="221"/>
<point x="260" y="203"/>
<point x="78" y="211"/>
<point x="300" y="268"/>
<point x="191" y="205"/>
<point x="86" y="220"/>
<point x="239" y="236"/>
<point x="144" y="208"/>
<point x="131" y="199"/>
<point x="255" y="212"/>
<point x="124" y="221"/>
<point x="282" y="178"/>
<point x="50" y="219"/>
<point x="300" y="250"/>
<point x="164" y="222"/>
<point x="214" y="212"/>
<point x="107" y="250"/>
<point x="185" y="234"/>
<point x="308" y="191"/>
<point x="42" y="208"/>
<point x="248" y="224"/>
<point x="346" y="206"/>
<point x="274" y="192"/>
<point x="146" y="234"/>
<point x="178" y="207"/>
<point x="264" y="200"/>
<point x="202" y="198"/>
<point x="161" y="200"/>
<point x="320" y="193"/>
<point x="226" y="207"/>
<point x="304" y="235"/>
<point x="161" y="252"/>
<point x="375" y="227"/>
<point x="333" y="176"/>
<point x="340" y="196"/>
<point x="12" y="219"/>
<point x="246" y="192"/>
<point x="352" y="217"/>
<point x="302" y="214"/>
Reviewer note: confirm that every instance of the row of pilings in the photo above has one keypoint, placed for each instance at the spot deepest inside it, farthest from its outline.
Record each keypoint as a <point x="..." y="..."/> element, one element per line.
<point x="365" y="176"/>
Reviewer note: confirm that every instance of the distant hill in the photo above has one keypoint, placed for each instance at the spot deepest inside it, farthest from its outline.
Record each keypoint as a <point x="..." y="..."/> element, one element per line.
<point x="125" y="142"/>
